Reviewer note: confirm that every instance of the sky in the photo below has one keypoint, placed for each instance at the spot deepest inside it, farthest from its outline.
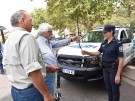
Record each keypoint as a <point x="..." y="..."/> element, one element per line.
<point x="8" y="7"/>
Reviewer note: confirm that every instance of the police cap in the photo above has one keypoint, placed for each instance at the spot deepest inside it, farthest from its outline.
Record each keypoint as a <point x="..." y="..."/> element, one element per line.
<point x="108" y="28"/>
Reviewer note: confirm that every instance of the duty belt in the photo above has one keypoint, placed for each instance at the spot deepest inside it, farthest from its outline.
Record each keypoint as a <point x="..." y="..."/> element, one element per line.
<point x="111" y="64"/>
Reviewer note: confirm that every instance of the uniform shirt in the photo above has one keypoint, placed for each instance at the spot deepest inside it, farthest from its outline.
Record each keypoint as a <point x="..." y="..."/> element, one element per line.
<point x="46" y="47"/>
<point x="22" y="56"/>
<point x="111" y="51"/>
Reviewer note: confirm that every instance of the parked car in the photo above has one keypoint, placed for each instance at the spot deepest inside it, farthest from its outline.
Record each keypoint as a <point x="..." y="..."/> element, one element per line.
<point x="74" y="65"/>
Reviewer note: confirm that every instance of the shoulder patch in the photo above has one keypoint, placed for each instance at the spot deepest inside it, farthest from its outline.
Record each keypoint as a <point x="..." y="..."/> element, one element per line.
<point x="121" y="48"/>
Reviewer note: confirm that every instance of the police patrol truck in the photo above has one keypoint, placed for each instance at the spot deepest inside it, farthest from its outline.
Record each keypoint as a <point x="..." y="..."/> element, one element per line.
<point x="74" y="65"/>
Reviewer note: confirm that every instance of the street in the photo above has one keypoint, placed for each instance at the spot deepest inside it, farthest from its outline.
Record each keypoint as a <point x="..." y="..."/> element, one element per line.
<point x="82" y="91"/>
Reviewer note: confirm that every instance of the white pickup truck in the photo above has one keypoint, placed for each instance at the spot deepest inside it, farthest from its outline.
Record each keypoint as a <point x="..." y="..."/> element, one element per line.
<point x="76" y="66"/>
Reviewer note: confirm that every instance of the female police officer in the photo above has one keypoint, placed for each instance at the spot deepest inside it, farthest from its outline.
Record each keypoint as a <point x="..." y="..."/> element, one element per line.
<point x="112" y="62"/>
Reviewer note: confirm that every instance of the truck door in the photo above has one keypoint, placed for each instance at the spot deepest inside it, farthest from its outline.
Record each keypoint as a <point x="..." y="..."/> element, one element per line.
<point x="127" y="49"/>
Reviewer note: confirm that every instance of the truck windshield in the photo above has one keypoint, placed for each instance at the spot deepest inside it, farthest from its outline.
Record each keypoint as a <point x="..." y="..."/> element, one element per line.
<point x="95" y="36"/>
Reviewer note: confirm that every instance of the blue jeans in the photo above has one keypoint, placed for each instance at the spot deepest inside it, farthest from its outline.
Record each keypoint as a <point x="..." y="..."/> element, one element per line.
<point x="109" y="79"/>
<point x="50" y="82"/>
<point x="28" y="94"/>
<point x="1" y="66"/>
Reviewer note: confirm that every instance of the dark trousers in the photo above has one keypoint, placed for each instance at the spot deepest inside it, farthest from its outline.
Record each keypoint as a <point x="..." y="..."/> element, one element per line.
<point x="28" y="94"/>
<point x="109" y="79"/>
<point x="1" y="66"/>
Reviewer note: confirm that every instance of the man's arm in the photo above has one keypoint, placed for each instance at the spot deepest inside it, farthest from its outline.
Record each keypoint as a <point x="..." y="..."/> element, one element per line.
<point x="60" y="43"/>
<point x="38" y="81"/>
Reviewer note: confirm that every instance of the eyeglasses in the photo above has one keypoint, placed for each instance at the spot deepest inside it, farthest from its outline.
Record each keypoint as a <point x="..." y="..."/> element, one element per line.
<point x="50" y="32"/>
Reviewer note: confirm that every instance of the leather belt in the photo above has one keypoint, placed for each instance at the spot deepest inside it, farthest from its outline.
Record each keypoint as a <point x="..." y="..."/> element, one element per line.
<point x="105" y="64"/>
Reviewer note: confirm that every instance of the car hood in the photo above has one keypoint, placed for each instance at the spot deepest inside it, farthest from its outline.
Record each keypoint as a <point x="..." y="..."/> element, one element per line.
<point x="74" y="49"/>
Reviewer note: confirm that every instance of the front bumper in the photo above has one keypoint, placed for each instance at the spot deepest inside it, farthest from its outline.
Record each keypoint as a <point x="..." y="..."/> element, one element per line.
<point x="87" y="74"/>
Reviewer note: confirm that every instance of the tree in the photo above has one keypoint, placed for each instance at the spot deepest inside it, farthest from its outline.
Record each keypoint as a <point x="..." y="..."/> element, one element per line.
<point x="128" y="12"/>
<point x="88" y="11"/>
<point x="39" y="16"/>
<point x="64" y="13"/>
<point x="123" y="16"/>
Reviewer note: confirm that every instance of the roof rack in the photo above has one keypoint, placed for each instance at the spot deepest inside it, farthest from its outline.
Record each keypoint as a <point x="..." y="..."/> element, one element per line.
<point x="99" y="27"/>
<point x="102" y="27"/>
<point x="119" y="26"/>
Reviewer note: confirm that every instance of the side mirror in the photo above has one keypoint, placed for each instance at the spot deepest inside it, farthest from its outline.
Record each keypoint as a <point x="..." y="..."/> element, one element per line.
<point x="125" y="40"/>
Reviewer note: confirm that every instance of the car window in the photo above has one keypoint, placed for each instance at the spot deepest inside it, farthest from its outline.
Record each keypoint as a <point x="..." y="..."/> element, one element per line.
<point x="123" y="35"/>
<point x="94" y="36"/>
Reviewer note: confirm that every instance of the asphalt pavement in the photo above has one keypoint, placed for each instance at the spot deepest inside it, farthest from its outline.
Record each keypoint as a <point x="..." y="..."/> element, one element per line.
<point x="127" y="88"/>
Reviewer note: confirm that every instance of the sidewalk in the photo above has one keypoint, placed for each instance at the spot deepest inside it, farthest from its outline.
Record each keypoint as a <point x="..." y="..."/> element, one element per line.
<point x="128" y="84"/>
<point x="128" y="75"/>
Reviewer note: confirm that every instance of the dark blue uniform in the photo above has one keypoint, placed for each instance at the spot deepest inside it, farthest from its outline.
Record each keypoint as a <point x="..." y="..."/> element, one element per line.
<point x="111" y="52"/>
<point x="1" y="56"/>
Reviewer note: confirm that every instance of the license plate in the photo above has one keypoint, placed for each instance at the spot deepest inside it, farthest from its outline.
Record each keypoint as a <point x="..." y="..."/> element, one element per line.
<point x="68" y="71"/>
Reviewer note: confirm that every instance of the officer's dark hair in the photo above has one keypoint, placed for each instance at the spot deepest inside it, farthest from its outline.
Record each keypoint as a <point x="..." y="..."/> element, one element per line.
<point x="113" y="32"/>
<point x="16" y="16"/>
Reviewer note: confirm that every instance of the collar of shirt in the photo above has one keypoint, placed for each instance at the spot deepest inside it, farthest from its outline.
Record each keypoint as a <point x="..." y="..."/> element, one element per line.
<point x="106" y="41"/>
<point x="18" y="28"/>
<point x="43" y="39"/>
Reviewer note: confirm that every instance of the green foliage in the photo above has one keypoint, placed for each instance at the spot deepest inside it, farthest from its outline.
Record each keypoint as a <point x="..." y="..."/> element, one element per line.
<point x="88" y="11"/>
<point x="124" y="15"/>
<point x="63" y="13"/>
<point x="39" y="16"/>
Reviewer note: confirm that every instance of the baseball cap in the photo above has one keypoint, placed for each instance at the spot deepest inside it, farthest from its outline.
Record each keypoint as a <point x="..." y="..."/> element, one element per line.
<point x="108" y="28"/>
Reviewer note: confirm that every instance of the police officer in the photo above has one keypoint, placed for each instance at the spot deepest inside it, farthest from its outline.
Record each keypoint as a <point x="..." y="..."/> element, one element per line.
<point x="112" y="62"/>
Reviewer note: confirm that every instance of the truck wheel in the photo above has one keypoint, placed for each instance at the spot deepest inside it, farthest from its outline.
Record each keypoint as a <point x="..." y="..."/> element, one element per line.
<point x="133" y="61"/>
